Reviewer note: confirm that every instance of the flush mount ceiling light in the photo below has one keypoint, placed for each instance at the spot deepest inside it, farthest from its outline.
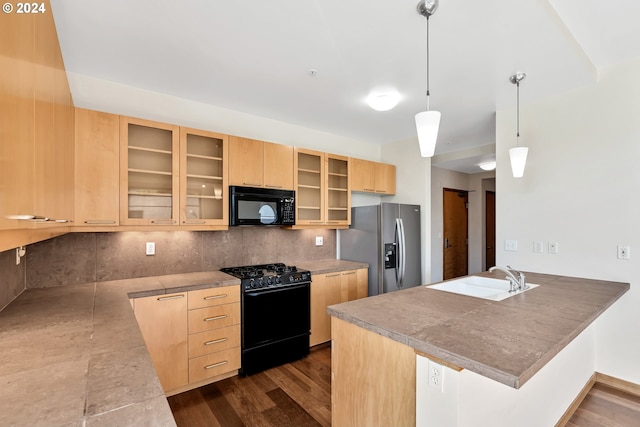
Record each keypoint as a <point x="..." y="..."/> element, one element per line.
<point x="427" y="122"/>
<point x="383" y="101"/>
<point x="518" y="155"/>
<point x="487" y="166"/>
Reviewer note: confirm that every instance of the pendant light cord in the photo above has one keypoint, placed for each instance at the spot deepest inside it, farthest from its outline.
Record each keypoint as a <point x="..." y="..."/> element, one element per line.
<point x="517" y="113"/>
<point x="428" y="63"/>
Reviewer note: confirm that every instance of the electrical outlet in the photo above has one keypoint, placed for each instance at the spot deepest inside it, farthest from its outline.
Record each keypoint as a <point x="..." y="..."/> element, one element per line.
<point x="511" y="245"/>
<point x="319" y="241"/>
<point x="436" y="379"/>
<point x="553" y="248"/>
<point x="538" y="247"/>
<point x="151" y="248"/>
<point x="624" y="252"/>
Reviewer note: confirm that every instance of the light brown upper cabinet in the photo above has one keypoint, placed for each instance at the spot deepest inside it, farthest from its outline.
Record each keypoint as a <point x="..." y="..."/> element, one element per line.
<point x="254" y="163"/>
<point x="338" y="190"/>
<point x="203" y="181"/>
<point x="36" y="125"/>
<point x="149" y="181"/>
<point x="322" y="184"/>
<point x="97" y="197"/>
<point x="373" y="177"/>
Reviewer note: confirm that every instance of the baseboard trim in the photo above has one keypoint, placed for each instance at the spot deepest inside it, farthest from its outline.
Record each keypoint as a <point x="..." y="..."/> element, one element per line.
<point x="623" y="385"/>
<point x="577" y="401"/>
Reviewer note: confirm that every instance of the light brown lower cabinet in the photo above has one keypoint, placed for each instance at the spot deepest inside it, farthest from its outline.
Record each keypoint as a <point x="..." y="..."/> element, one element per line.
<point x="373" y="379"/>
<point x="163" y="323"/>
<point x="329" y="289"/>
<point x="193" y="337"/>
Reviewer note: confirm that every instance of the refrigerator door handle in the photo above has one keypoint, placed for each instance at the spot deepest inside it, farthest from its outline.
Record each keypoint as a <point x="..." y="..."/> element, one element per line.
<point x="403" y="252"/>
<point x="398" y="255"/>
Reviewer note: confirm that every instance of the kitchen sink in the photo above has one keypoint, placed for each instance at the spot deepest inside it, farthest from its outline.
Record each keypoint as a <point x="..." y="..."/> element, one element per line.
<point x="480" y="287"/>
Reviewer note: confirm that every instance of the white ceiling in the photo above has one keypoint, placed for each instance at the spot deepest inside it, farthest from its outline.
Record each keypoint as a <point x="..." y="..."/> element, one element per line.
<point x="254" y="57"/>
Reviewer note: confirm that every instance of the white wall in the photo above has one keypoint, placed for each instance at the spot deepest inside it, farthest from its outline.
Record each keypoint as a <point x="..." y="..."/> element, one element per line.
<point x="581" y="188"/>
<point x="476" y="184"/>
<point x="103" y="95"/>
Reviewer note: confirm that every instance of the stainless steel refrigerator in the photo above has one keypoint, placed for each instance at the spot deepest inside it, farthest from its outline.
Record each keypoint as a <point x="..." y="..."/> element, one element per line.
<point x="387" y="237"/>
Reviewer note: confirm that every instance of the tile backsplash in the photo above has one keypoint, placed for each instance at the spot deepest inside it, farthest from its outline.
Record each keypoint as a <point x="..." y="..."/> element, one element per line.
<point x="96" y="257"/>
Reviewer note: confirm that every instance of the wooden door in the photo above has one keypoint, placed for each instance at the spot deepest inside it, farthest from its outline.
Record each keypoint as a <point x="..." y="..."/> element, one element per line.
<point x="363" y="175"/>
<point x="326" y="290"/>
<point x="455" y="251"/>
<point x="246" y="162"/>
<point x="97" y="196"/>
<point x="490" y="227"/>
<point x="163" y="323"/>
<point x="278" y="166"/>
<point x="385" y="178"/>
<point x="309" y="171"/>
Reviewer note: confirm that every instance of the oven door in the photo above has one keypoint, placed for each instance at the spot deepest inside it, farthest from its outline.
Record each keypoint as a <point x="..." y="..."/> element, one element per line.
<point x="273" y="315"/>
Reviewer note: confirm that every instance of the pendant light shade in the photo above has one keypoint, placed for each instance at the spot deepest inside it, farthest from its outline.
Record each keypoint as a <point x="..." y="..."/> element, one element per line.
<point x="518" y="156"/>
<point x="427" y="124"/>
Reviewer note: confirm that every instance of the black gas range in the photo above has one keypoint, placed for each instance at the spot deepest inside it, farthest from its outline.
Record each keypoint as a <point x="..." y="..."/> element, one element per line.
<point x="268" y="276"/>
<point x="276" y="314"/>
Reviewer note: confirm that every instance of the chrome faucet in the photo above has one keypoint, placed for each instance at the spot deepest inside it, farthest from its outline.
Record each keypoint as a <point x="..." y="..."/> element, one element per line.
<point x="515" y="283"/>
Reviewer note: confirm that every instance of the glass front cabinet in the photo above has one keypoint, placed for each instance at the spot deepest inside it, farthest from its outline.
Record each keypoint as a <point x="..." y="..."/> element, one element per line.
<point x="171" y="176"/>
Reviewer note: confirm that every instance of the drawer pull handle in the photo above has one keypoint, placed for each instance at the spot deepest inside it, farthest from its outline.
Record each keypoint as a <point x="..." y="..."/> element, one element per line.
<point x="216" y="341"/>
<point x="171" y="297"/>
<point x="348" y="273"/>
<point x="163" y="221"/>
<point x="215" y="365"/>
<point x="194" y="221"/>
<point x="209" y="319"/>
<point x="332" y="275"/>
<point x="215" y="297"/>
<point x="100" y="221"/>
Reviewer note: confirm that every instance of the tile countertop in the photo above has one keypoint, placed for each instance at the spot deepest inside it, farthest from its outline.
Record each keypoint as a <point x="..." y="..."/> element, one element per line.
<point x="74" y="356"/>
<point x="508" y="341"/>
<point x="330" y="266"/>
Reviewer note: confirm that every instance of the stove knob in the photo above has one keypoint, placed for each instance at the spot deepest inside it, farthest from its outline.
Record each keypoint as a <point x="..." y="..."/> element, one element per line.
<point x="290" y="278"/>
<point x="277" y="280"/>
<point x="252" y="283"/>
<point x="260" y="282"/>
<point x="269" y="282"/>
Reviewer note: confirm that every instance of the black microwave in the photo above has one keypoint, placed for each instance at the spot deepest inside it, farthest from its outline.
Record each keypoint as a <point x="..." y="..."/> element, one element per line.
<point x="261" y="206"/>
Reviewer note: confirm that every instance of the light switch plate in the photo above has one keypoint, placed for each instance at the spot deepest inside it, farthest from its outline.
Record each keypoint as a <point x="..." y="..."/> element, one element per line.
<point x="150" y="248"/>
<point x="554" y="247"/>
<point x="319" y="241"/>
<point x="510" y="245"/>
<point x="538" y="247"/>
<point x="624" y="252"/>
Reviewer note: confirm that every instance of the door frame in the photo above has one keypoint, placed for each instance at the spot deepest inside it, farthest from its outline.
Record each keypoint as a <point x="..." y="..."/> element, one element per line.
<point x="489" y="223"/>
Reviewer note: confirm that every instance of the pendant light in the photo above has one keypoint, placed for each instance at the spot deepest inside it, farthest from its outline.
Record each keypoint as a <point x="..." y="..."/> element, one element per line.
<point x="518" y="155"/>
<point x="427" y="122"/>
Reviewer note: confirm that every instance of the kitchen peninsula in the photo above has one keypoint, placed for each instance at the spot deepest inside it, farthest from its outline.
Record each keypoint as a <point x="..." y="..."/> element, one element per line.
<point x="501" y="361"/>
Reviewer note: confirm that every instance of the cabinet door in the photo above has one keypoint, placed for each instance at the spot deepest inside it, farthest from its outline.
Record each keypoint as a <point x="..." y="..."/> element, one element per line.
<point x="363" y="175"/>
<point x="246" y="164"/>
<point x="309" y="172"/>
<point x="348" y="286"/>
<point x="97" y="194"/>
<point x="338" y="190"/>
<point x="385" y="178"/>
<point x="148" y="172"/>
<point x="326" y="290"/>
<point x="53" y="131"/>
<point x="16" y="119"/>
<point x="163" y="323"/>
<point x="362" y="286"/>
<point x="203" y="178"/>
<point x="278" y="166"/>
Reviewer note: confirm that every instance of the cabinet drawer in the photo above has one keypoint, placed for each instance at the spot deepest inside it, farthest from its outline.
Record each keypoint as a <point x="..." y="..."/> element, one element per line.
<point x="219" y="316"/>
<point x="213" y="341"/>
<point x="214" y="364"/>
<point x="213" y="296"/>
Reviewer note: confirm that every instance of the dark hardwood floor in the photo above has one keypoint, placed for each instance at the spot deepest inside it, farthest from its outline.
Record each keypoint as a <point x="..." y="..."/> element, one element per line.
<point x="298" y="394"/>
<point x="295" y="394"/>
<point x="605" y="406"/>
